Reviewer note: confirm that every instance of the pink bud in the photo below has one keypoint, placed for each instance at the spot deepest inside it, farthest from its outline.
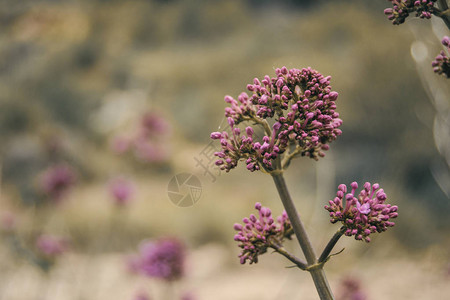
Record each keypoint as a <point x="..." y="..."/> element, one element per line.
<point x="238" y="227"/>
<point x="333" y="96"/>
<point x="228" y="99"/>
<point x="343" y="188"/>
<point x="216" y="135"/>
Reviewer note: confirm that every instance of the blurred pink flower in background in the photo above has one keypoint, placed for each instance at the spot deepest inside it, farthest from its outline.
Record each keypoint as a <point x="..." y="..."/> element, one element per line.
<point x="57" y="180"/>
<point x="8" y="221"/>
<point x="120" y="144"/>
<point x="187" y="296"/>
<point x="163" y="259"/>
<point x="51" y="246"/>
<point x="350" y="289"/>
<point x="154" y="125"/>
<point x="121" y="190"/>
<point x="147" y="151"/>
<point x="141" y="295"/>
<point x="133" y="263"/>
<point x="148" y="140"/>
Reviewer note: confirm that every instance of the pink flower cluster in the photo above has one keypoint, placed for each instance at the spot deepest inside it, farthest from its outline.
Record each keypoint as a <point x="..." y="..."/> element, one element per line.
<point x="301" y="106"/>
<point x="240" y="146"/>
<point x="162" y="259"/>
<point x="259" y="233"/>
<point x="402" y="8"/>
<point x="441" y="64"/>
<point x="363" y="215"/>
<point x="57" y="180"/>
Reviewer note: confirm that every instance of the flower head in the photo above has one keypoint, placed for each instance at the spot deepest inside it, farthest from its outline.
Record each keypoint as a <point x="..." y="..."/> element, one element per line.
<point x="57" y="180"/>
<point x="363" y="214"/>
<point x="162" y="259"/>
<point x="441" y="64"/>
<point x="301" y="106"/>
<point x="402" y="8"/>
<point x="259" y="233"/>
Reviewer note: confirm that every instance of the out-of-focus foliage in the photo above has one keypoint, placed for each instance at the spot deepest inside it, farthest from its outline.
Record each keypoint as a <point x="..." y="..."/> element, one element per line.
<point x="60" y="62"/>
<point x="76" y="74"/>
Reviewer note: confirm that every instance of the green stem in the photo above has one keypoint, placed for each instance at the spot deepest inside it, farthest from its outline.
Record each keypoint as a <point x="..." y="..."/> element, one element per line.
<point x="297" y="261"/>
<point x="329" y="247"/>
<point x="315" y="269"/>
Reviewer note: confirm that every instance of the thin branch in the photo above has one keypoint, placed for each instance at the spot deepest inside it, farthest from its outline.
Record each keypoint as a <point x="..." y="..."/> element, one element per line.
<point x="329" y="247"/>
<point x="294" y="218"/>
<point x="297" y="261"/>
<point x="287" y="159"/>
<point x="318" y="275"/>
<point x="261" y="122"/>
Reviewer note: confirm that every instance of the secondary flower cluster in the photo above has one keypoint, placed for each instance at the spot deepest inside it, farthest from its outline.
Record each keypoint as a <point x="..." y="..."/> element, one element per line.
<point x="259" y="233"/>
<point x="362" y="215"/>
<point x="402" y="8"/>
<point x="301" y="106"/>
<point x="244" y="146"/>
<point x="441" y="64"/>
<point x="162" y="259"/>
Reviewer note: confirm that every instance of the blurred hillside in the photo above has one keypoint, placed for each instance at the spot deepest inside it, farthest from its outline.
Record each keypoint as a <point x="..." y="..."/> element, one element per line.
<point x="76" y="76"/>
<point x="60" y="62"/>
